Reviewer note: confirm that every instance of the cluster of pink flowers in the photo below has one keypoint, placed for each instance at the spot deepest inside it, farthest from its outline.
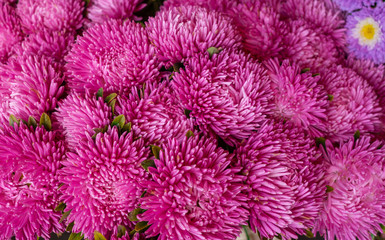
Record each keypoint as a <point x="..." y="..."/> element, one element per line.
<point x="206" y="118"/>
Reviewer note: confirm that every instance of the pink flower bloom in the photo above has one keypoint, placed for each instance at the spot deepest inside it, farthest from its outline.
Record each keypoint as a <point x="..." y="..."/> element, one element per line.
<point x="180" y="32"/>
<point x="155" y="113"/>
<point x="30" y="85"/>
<point x="227" y="94"/>
<point x="113" y="55"/>
<point x="102" y="10"/>
<point x="10" y="31"/>
<point x="103" y="182"/>
<point x="284" y="180"/>
<point x="29" y="182"/>
<point x="298" y="97"/>
<point x="355" y="203"/>
<point x="216" y="5"/>
<point x="194" y="194"/>
<point x="354" y="104"/>
<point x="80" y="115"/>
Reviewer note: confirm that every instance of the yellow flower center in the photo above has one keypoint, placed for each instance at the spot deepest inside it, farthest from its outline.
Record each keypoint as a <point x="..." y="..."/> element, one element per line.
<point x="368" y="31"/>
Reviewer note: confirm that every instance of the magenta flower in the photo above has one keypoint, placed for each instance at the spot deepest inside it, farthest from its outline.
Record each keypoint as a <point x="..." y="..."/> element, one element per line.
<point x="29" y="182"/>
<point x="80" y="115"/>
<point x="194" y="194"/>
<point x="260" y="27"/>
<point x="298" y="97"/>
<point x="284" y="180"/>
<point x="355" y="203"/>
<point x="216" y="5"/>
<point x="227" y="94"/>
<point x="102" y="10"/>
<point x="29" y="86"/>
<point x="103" y="182"/>
<point x="180" y="32"/>
<point x="155" y="113"/>
<point x="366" y="34"/>
<point x="53" y="15"/>
<point x="353" y="104"/>
<point x="10" y="31"/>
<point x="113" y="55"/>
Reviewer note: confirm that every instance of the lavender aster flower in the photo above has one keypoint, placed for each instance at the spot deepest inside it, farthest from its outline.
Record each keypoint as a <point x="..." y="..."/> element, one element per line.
<point x="155" y="113"/>
<point x="103" y="182"/>
<point x="227" y="94"/>
<point x="102" y="10"/>
<point x="350" y="5"/>
<point x="80" y="115"/>
<point x="30" y="85"/>
<point x="10" y="31"/>
<point x="284" y="179"/>
<point x="355" y="203"/>
<point x="30" y="160"/>
<point x="113" y="55"/>
<point x="299" y="98"/>
<point x="353" y="106"/>
<point x="366" y="36"/>
<point x="194" y="194"/>
<point x="180" y="32"/>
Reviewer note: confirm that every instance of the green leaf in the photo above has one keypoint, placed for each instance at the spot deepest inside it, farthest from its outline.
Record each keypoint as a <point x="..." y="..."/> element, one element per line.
<point x="189" y="134"/>
<point x="60" y="207"/>
<point x="148" y="163"/>
<point x="212" y="51"/>
<point x="13" y="120"/>
<point x="329" y="188"/>
<point x="309" y="233"/>
<point x="141" y="226"/>
<point x="45" y="121"/>
<point x="320" y="141"/>
<point x="155" y="150"/>
<point x="305" y="70"/>
<point x="76" y="236"/>
<point x="383" y="228"/>
<point x="121" y="231"/>
<point x="132" y="216"/>
<point x="99" y="236"/>
<point x="127" y="127"/>
<point x="110" y="97"/>
<point x="357" y="135"/>
<point x="330" y="97"/>
<point x="119" y="121"/>
<point x="112" y="105"/>
<point x="32" y="122"/>
<point x="143" y="194"/>
<point x="64" y="216"/>
<point x="246" y="233"/>
<point x="315" y="74"/>
<point x="99" y="94"/>
<point x="70" y="226"/>
<point x="187" y="113"/>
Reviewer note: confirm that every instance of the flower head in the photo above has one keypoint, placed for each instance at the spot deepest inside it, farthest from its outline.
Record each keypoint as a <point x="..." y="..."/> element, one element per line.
<point x="103" y="182"/>
<point x="298" y="97"/>
<point x="10" y="31"/>
<point x="216" y="5"/>
<point x="194" y="194"/>
<point x="155" y="113"/>
<point x="30" y="85"/>
<point x="54" y="15"/>
<point x="366" y="35"/>
<point x="30" y="159"/>
<point x="102" y="10"/>
<point x="227" y="94"/>
<point x="180" y="32"/>
<point x="351" y="5"/>
<point x="284" y="178"/>
<point x="114" y="55"/>
<point x="354" y="206"/>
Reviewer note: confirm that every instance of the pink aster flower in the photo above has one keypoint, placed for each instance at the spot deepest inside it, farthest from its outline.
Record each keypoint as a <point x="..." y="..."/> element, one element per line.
<point x="366" y="34"/>
<point x="284" y="178"/>
<point x="194" y="194"/>
<point x="298" y="97"/>
<point x="29" y="182"/>
<point x="260" y="27"/>
<point x="10" y="31"/>
<point x="53" y="15"/>
<point x="353" y="104"/>
<point x="114" y="55"/>
<point x="155" y="113"/>
<point x="355" y="203"/>
<point x="102" y="10"/>
<point x="227" y="94"/>
<point x="30" y="85"/>
<point x="103" y="182"/>
<point x="80" y="115"/>
<point x="180" y="32"/>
